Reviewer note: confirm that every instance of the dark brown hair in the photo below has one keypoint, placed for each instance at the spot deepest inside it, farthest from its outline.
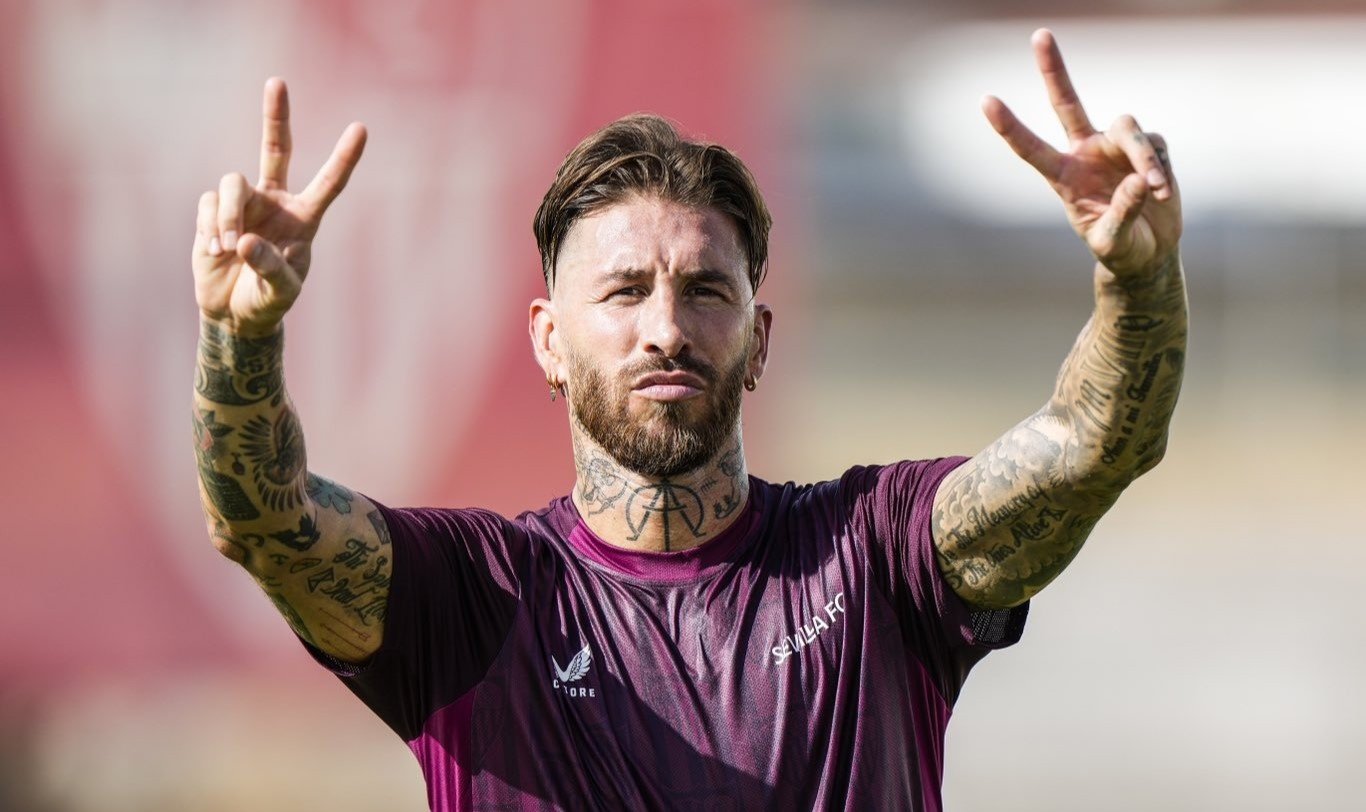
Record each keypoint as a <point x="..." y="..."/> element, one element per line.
<point x="643" y="154"/>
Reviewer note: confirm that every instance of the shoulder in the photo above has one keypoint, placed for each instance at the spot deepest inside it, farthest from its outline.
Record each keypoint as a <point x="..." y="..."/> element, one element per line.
<point x="450" y="537"/>
<point x="434" y="522"/>
<point x="859" y="492"/>
<point x="436" y="525"/>
<point x="554" y="521"/>
<point x="897" y="485"/>
<point x="789" y="506"/>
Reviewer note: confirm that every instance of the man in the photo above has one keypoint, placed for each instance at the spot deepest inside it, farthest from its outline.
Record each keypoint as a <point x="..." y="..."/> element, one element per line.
<point x="676" y="632"/>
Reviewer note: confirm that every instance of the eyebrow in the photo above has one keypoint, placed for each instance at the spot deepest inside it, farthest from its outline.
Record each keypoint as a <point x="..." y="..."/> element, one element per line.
<point x="709" y="276"/>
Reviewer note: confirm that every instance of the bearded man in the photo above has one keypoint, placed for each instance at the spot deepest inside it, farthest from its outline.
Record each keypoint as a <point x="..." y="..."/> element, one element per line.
<point x="677" y="632"/>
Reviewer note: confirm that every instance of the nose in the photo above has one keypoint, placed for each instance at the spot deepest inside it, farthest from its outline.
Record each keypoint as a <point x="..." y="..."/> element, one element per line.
<point x="662" y="328"/>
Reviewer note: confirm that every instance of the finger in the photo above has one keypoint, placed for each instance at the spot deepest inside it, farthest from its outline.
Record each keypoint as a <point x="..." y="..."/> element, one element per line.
<point x="1021" y="139"/>
<point x="1114" y="226"/>
<point x="332" y="178"/>
<point x="233" y="192"/>
<point x="1060" y="91"/>
<point x="298" y="257"/>
<point x="276" y="143"/>
<point x="270" y="264"/>
<point x="206" y="225"/>
<point x="1139" y="148"/>
<point x="1164" y="158"/>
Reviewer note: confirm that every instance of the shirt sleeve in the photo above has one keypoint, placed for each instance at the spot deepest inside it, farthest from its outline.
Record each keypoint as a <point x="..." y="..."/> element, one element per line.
<point x="893" y="504"/>
<point x="453" y="595"/>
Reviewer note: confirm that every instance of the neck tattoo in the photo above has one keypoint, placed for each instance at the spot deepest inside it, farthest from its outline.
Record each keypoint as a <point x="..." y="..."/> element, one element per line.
<point x="670" y="514"/>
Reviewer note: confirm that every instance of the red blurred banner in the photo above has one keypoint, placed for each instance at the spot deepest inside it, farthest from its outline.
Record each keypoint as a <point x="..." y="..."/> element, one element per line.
<point x="407" y="355"/>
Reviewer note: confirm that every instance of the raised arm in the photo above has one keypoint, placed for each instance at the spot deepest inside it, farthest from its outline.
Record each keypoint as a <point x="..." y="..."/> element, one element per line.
<point x="318" y="550"/>
<point x="1009" y="520"/>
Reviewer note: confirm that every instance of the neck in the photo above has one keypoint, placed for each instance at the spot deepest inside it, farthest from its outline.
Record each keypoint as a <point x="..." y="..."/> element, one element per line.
<point x="659" y="515"/>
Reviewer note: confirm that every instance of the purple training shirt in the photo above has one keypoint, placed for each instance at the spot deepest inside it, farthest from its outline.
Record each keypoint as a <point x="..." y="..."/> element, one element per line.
<point x="806" y="658"/>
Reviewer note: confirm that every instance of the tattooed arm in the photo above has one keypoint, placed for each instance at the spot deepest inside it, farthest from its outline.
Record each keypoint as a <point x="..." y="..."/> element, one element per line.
<point x="319" y="551"/>
<point x="1009" y="520"/>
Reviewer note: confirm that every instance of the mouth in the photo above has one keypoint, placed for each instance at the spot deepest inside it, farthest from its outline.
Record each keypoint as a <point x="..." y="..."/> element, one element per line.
<point x="668" y="386"/>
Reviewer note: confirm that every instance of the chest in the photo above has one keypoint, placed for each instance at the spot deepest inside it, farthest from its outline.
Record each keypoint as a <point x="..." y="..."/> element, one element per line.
<point x="634" y="689"/>
<point x="717" y="640"/>
<point x="621" y="658"/>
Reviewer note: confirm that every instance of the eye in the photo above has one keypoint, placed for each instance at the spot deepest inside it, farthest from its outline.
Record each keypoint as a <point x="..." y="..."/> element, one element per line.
<point x="705" y="291"/>
<point x="629" y="291"/>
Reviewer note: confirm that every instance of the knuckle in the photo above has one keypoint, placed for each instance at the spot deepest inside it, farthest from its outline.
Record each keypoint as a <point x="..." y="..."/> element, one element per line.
<point x="232" y="182"/>
<point x="1127" y="127"/>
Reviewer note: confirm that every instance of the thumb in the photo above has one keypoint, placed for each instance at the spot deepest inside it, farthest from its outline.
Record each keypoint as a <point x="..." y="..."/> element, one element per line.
<point x="1114" y="226"/>
<point x="269" y="263"/>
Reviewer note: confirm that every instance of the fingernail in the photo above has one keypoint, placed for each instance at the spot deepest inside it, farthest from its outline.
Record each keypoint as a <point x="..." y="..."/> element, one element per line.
<point x="258" y="252"/>
<point x="230" y="239"/>
<point x="214" y="248"/>
<point x="1155" y="178"/>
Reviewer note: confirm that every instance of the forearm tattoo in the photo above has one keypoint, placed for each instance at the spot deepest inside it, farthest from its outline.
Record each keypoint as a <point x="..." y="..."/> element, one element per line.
<point x="1007" y="522"/>
<point x="237" y="370"/>
<point x="320" y="552"/>
<point x="1120" y="383"/>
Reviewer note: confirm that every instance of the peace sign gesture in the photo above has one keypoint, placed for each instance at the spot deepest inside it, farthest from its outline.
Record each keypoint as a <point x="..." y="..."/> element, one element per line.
<point x="1117" y="186"/>
<point x="252" y="244"/>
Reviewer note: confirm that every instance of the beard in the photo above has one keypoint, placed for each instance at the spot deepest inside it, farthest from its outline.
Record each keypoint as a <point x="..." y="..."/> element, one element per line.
<point x="665" y="442"/>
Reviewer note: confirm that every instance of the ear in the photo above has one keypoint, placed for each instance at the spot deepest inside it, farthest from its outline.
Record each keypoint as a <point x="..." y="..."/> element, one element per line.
<point x="545" y="342"/>
<point x="763" y="323"/>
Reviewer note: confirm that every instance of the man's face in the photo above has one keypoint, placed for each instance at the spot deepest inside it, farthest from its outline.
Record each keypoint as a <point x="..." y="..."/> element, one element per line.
<point x="656" y="330"/>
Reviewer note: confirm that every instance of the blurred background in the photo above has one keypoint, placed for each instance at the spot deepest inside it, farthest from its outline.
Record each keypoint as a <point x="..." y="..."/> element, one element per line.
<point x="1205" y="651"/>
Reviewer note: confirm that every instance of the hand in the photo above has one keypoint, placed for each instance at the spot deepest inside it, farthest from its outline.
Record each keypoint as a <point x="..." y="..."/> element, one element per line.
<point x="1117" y="186"/>
<point x="252" y="245"/>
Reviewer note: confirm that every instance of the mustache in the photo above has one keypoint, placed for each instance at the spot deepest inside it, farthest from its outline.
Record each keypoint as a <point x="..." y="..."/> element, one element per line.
<point x="681" y="363"/>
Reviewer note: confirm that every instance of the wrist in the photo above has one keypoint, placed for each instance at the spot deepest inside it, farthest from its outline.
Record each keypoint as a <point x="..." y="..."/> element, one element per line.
<point x="236" y="369"/>
<point x="239" y="328"/>
<point x="1152" y="279"/>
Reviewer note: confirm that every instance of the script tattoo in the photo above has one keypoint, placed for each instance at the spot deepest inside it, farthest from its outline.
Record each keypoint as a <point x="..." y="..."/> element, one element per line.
<point x="1008" y="521"/>
<point x="361" y="590"/>
<point x="1133" y="352"/>
<point x="1001" y="524"/>
<point x="357" y="552"/>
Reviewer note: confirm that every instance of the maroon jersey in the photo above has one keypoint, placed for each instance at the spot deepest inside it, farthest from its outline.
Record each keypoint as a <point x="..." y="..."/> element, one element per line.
<point x="807" y="657"/>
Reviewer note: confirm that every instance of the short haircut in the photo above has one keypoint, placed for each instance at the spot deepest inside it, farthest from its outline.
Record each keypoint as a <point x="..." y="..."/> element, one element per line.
<point x="644" y="154"/>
